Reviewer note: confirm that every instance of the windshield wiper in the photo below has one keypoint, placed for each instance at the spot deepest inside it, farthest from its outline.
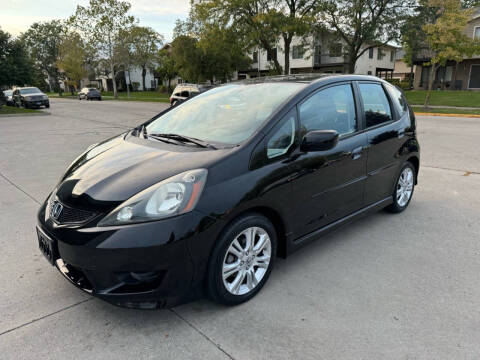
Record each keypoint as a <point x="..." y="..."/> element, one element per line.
<point x="184" y="139"/>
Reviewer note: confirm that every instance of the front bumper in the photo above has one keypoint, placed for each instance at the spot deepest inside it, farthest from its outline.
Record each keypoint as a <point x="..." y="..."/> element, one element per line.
<point x="147" y="265"/>
<point x="37" y="102"/>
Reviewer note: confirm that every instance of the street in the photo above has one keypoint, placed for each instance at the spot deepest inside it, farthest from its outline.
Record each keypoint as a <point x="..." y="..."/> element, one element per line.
<point x="385" y="287"/>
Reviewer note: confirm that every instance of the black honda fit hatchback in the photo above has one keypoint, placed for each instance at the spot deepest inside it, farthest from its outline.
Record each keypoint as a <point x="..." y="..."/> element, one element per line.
<point x="203" y="197"/>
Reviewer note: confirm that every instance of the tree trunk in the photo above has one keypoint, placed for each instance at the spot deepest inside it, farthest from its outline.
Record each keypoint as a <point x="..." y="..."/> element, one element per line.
<point x="287" y="42"/>
<point x="410" y="85"/>
<point x="115" y="93"/>
<point x="144" y="73"/>
<point x="431" y="78"/>
<point x="169" y="80"/>
<point x="128" y="85"/>
<point x="352" y="61"/>
<point x="454" y="77"/>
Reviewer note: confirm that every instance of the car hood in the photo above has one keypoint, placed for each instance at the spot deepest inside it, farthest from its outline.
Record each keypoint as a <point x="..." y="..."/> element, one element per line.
<point x="115" y="170"/>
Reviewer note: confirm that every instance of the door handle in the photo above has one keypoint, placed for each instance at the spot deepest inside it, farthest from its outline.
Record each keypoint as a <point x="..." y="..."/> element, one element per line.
<point x="357" y="153"/>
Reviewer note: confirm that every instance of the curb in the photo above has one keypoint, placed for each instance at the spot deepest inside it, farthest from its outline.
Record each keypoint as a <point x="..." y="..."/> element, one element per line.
<point x="43" y="113"/>
<point x="447" y="115"/>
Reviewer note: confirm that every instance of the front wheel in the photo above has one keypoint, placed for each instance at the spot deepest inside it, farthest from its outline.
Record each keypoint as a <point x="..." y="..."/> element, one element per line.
<point x="242" y="260"/>
<point x="403" y="188"/>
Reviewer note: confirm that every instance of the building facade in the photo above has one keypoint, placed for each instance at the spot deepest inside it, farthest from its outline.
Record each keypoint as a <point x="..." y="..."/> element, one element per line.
<point x="322" y="53"/>
<point x="464" y="75"/>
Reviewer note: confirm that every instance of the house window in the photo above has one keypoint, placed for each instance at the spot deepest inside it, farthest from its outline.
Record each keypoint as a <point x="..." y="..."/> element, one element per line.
<point x="297" y="52"/>
<point x="255" y="57"/>
<point x="476" y="33"/>
<point x="274" y="57"/>
<point x="370" y="53"/>
<point x="335" y="50"/>
<point x="474" y="82"/>
<point x="392" y="55"/>
<point x="380" y="54"/>
<point x="369" y="73"/>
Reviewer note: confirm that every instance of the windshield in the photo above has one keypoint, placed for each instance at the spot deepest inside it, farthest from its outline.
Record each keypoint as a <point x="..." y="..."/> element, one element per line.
<point x="228" y="114"/>
<point x="29" y="91"/>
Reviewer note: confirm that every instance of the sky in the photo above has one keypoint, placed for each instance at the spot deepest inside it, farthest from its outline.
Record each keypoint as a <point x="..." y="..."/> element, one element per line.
<point x="17" y="15"/>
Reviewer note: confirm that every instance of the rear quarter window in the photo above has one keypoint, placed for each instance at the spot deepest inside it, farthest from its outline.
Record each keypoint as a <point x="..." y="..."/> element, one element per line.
<point x="398" y="99"/>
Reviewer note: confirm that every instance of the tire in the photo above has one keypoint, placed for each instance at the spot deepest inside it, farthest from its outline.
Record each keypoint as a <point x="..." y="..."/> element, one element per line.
<point x="407" y="175"/>
<point x="254" y="267"/>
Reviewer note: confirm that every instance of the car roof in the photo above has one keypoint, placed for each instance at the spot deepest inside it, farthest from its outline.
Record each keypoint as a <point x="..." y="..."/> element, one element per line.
<point x="310" y="78"/>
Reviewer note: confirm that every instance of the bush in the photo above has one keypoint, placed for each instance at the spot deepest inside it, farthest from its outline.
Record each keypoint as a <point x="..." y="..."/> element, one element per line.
<point x="162" y="89"/>
<point x="404" y="85"/>
<point x="135" y="85"/>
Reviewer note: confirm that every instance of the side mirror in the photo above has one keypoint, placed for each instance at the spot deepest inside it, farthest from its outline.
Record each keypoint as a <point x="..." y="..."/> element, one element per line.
<point x="319" y="140"/>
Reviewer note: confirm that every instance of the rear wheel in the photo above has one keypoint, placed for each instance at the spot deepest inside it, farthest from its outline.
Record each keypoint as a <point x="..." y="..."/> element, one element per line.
<point x="403" y="188"/>
<point x="242" y="260"/>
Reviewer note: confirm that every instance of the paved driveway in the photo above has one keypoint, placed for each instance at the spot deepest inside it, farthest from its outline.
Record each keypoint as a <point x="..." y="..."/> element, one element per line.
<point x="386" y="287"/>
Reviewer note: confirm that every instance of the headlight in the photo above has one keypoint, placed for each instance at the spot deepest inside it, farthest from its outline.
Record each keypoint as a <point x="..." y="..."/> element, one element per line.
<point x="45" y="97"/>
<point x="173" y="196"/>
<point x="26" y="97"/>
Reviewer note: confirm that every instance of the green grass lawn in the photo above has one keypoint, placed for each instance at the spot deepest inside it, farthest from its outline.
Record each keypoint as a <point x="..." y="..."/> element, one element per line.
<point x="150" y="96"/>
<point x="421" y="109"/>
<point x="445" y="98"/>
<point x="9" y="110"/>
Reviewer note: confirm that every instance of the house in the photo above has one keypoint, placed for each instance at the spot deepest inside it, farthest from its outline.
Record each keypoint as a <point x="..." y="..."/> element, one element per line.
<point x="464" y="75"/>
<point x="403" y="72"/>
<point x="322" y="53"/>
<point x="102" y="79"/>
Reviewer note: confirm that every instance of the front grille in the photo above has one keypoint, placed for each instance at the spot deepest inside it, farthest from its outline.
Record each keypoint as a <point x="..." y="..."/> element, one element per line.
<point x="36" y="98"/>
<point x="69" y="215"/>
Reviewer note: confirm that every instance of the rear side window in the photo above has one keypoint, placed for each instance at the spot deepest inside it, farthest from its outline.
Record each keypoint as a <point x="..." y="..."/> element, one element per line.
<point x="185" y="94"/>
<point x="398" y="99"/>
<point x="329" y="109"/>
<point x="375" y="104"/>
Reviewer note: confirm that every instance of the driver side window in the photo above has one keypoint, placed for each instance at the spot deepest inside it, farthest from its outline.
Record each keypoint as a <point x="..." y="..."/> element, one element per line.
<point x="329" y="109"/>
<point x="283" y="136"/>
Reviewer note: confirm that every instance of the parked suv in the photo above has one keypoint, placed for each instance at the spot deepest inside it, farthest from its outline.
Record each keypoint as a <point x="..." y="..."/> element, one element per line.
<point x="30" y="97"/>
<point x="204" y="196"/>
<point x="89" y="94"/>
<point x="185" y="91"/>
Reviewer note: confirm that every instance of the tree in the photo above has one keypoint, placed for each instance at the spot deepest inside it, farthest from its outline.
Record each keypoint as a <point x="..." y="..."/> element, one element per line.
<point x="364" y="24"/>
<point x="71" y="58"/>
<point x="16" y="65"/>
<point x="100" y="23"/>
<point x="445" y="37"/>
<point x="145" y="44"/>
<point x="186" y="54"/>
<point x="413" y="37"/>
<point x="254" y="22"/>
<point x="42" y="40"/>
<point x="221" y="49"/>
<point x="467" y="4"/>
<point x="166" y="67"/>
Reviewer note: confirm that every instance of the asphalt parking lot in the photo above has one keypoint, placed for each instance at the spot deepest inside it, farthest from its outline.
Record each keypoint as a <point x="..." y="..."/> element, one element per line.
<point x="388" y="286"/>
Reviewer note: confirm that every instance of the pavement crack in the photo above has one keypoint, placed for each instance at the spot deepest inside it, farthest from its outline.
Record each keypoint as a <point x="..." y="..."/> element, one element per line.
<point x="43" y="317"/>
<point x="19" y="188"/>
<point x="218" y="346"/>
<point x="465" y="172"/>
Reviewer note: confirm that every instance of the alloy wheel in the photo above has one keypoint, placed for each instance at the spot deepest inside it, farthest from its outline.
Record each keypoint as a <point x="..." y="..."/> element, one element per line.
<point x="405" y="187"/>
<point x="246" y="261"/>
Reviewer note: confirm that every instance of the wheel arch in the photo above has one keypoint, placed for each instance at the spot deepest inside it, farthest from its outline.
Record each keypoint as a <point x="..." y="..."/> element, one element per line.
<point x="274" y="217"/>
<point x="416" y="164"/>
